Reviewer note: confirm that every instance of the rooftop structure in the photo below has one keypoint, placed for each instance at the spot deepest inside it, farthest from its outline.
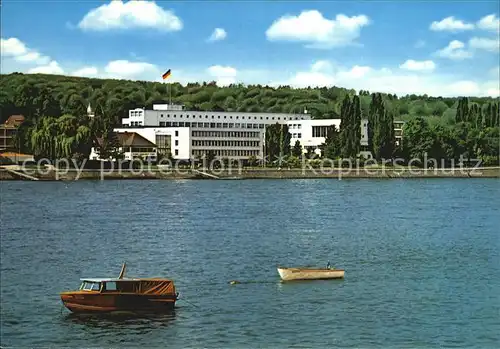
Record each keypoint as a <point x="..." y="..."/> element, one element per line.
<point x="132" y="145"/>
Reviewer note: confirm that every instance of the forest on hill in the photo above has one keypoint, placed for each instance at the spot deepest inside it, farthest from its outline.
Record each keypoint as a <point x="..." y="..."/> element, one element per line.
<point x="55" y="108"/>
<point x="34" y="95"/>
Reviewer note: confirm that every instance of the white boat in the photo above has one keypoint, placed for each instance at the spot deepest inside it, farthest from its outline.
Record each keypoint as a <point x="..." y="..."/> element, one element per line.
<point x="288" y="274"/>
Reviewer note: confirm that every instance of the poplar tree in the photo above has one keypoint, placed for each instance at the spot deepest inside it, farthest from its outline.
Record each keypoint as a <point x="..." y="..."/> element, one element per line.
<point x="356" y="126"/>
<point x="380" y="129"/>
<point x="462" y="110"/>
<point x="345" y="127"/>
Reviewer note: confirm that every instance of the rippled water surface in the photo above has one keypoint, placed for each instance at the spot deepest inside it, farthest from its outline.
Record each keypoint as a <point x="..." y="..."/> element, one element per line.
<point x="421" y="259"/>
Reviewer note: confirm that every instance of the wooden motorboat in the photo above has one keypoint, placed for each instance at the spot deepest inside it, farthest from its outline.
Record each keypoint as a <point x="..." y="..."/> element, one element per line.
<point x="103" y="295"/>
<point x="288" y="274"/>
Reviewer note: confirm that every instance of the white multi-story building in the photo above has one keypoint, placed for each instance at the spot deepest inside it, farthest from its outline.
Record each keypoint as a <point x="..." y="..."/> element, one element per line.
<point x="312" y="133"/>
<point x="236" y="135"/>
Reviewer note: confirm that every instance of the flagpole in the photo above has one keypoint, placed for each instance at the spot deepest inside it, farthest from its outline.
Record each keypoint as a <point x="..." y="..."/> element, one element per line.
<point x="166" y="76"/>
<point x="281" y="144"/>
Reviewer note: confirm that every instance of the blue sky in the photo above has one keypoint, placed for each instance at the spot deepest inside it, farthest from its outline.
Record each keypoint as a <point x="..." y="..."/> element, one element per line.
<point x="441" y="48"/>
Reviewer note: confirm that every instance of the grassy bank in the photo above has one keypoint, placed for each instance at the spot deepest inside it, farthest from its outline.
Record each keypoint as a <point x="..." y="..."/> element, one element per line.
<point x="254" y="173"/>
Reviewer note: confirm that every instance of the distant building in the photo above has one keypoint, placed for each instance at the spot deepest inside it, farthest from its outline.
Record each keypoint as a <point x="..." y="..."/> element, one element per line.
<point x="312" y="133"/>
<point x="398" y="131"/>
<point x="236" y="135"/>
<point x="8" y="131"/>
<point x="90" y="113"/>
<point x="132" y="145"/>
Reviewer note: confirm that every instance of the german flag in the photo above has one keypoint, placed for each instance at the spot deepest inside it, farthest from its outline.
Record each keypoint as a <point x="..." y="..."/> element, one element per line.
<point x="166" y="75"/>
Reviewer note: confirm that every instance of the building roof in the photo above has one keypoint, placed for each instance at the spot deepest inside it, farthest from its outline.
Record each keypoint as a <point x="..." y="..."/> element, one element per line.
<point x="14" y="121"/>
<point x="130" y="139"/>
<point x="133" y="139"/>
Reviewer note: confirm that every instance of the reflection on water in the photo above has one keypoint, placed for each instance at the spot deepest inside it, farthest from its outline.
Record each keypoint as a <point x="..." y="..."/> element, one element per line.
<point x="134" y="321"/>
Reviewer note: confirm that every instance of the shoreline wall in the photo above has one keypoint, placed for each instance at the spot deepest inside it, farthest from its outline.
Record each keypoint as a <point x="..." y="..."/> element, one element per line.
<point x="388" y="173"/>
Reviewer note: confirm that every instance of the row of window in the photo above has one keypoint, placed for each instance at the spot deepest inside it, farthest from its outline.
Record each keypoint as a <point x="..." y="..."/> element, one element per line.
<point x="320" y="131"/>
<point x="210" y="143"/>
<point x="296" y="135"/>
<point x="134" y="113"/>
<point x="140" y="150"/>
<point x="136" y="123"/>
<point x="226" y="153"/>
<point x="226" y="134"/>
<point x="295" y="126"/>
<point x="237" y="117"/>
<point x="209" y="125"/>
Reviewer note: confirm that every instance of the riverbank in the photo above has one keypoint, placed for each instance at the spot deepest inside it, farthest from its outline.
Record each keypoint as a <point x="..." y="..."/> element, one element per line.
<point x="252" y="173"/>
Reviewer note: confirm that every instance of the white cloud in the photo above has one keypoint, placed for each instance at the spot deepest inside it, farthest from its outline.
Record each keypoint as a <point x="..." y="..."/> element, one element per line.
<point x="451" y="24"/>
<point x="319" y="32"/>
<point x="490" y="22"/>
<point x="356" y="72"/>
<point x="223" y="75"/>
<point x="322" y="65"/>
<point x="51" y="68"/>
<point x="86" y="72"/>
<point x="132" y="14"/>
<point x="305" y="79"/>
<point x="12" y="47"/>
<point x="486" y="44"/>
<point x="127" y="70"/>
<point x="16" y="49"/>
<point x="455" y="50"/>
<point x="422" y="66"/>
<point x="33" y="56"/>
<point x="386" y="80"/>
<point x="218" y="34"/>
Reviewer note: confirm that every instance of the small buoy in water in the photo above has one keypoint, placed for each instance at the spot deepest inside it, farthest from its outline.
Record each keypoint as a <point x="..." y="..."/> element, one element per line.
<point x="234" y="282"/>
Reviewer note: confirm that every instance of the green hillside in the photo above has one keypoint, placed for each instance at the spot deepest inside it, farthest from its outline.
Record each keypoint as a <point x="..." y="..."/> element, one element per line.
<point x="55" y="109"/>
<point x="55" y="95"/>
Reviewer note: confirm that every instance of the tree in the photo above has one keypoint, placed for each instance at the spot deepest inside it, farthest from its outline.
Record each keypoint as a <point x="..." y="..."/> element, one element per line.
<point x="331" y="149"/>
<point x="356" y="126"/>
<point x="462" y="110"/>
<point x="108" y="145"/>
<point x="418" y="139"/>
<point x="346" y="127"/>
<point x="380" y="129"/>
<point x="277" y="142"/>
<point x="487" y="146"/>
<point x="297" y="149"/>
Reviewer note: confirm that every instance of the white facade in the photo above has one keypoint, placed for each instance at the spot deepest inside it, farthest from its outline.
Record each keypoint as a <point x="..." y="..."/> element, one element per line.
<point x="228" y="134"/>
<point x="180" y="138"/>
<point x="127" y="153"/>
<point x="312" y="133"/>
<point x="302" y="131"/>
<point x="167" y="117"/>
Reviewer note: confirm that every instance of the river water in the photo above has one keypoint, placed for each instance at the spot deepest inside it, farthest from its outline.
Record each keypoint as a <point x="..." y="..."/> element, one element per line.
<point x="421" y="258"/>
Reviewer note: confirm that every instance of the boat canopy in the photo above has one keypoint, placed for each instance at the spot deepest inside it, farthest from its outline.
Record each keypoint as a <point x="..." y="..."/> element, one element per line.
<point x="144" y="286"/>
<point x="107" y="279"/>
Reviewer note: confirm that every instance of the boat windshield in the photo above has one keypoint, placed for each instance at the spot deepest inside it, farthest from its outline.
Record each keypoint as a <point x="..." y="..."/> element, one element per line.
<point x="90" y="286"/>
